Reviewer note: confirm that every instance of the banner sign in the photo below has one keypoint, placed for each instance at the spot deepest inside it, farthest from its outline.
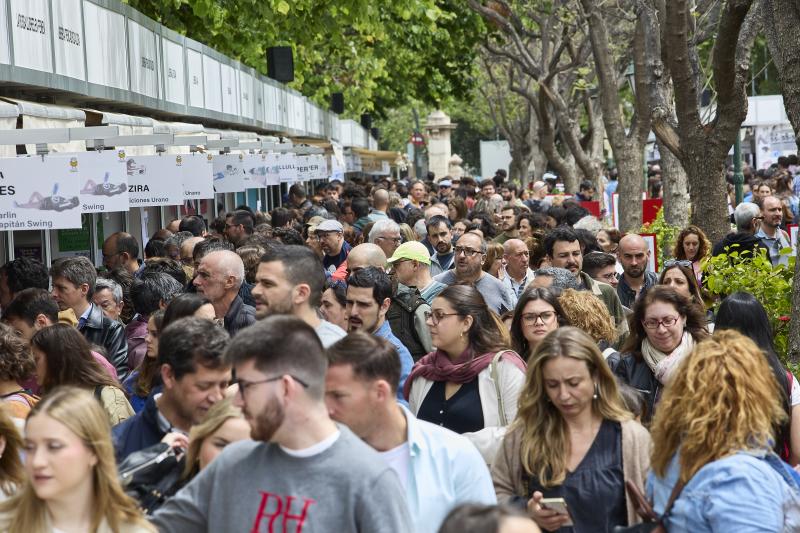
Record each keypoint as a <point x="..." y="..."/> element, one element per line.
<point x="103" y="180"/>
<point x="261" y="171"/>
<point x="198" y="176"/>
<point x="5" y="48"/>
<point x="106" y="50"/>
<point x="68" y="38"/>
<point x="229" y="173"/>
<point x="194" y="67"/>
<point x="51" y="201"/>
<point x="30" y="32"/>
<point x="286" y="167"/>
<point x="172" y="71"/>
<point x="155" y="180"/>
<point x="144" y="60"/>
<point x="212" y="84"/>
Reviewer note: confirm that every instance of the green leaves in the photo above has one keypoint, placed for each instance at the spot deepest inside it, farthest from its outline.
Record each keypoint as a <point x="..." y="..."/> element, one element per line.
<point x="282" y="7"/>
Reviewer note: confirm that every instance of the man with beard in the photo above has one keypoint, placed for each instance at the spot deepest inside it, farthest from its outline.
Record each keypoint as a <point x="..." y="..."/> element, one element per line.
<point x="508" y="223"/>
<point x="301" y="472"/>
<point x="470" y="252"/>
<point x="330" y="234"/>
<point x="563" y="250"/>
<point x="440" y="237"/>
<point x="195" y="371"/>
<point x="770" y="234"/>
<point x="634" y="254"/>
<point x="439" y="468"/>
<point x="290" y="281"/>
<point x="369" y="296"/>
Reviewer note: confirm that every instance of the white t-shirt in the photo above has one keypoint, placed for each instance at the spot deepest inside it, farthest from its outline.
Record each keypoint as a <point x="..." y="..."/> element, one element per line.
<point x="316" y="449"/>
<point x="795" y="391"/>
<point x="399" y="459"/>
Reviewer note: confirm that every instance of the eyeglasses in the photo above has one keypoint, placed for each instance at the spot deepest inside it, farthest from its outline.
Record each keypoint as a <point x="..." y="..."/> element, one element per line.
<point x="435" y="317"/>
<point x="533" y="318"/>
<point x="244" y="385"/>
<point x="396" y="240"/>
<point x="667" y="322"/>
<point x="468" y="252"/>
<point x="611" y="276"/>
<point x="677" y="262"/>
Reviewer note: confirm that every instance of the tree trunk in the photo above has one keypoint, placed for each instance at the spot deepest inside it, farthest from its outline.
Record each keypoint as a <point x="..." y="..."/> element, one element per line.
<point x="630" y="165"/>
<point x="518" y="168"/>
<point x="706" y="174"/>
<point x="676" y="189"/>
<point x="538" y="164"/>
<point x="783" y="19"/>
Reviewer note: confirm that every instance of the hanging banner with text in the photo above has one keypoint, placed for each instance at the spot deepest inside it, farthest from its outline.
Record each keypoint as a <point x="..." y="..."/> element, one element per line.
<point x="287" y="169"/>
<point x="229" y="173"/>
<point x="198" y="176"/>
<point x="103" y="180"/>
<point x="155" y="180"/>
<point x="39" y="193"/>
<point x="261" y="171"/>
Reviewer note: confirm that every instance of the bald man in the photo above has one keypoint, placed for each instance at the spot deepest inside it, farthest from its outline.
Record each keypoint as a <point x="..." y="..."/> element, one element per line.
<point x="380" y="205"/>
<point x="121" y="250"/>
<point x="634" y="255"/>
<point x="367" y="254"/>
<point x="518" y="270"/>
<point x="218" y="277"/>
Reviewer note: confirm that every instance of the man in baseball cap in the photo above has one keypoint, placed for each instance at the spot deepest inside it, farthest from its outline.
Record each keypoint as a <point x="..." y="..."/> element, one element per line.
<point x="329" y="233"/>
<point x="412" y="266"/>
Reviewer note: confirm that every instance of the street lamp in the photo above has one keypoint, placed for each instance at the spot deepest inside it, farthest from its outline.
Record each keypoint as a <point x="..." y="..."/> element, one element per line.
<point x="738" y="175"/>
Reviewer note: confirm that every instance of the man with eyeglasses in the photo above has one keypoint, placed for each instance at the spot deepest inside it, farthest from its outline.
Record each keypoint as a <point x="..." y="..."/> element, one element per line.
<point x="386" y="234"/>
<point x="330" y="234"/>
<point x="748" y="221"/>
<point x="406" y="315"/>
<point x="301" y="471"/>
<point x="470" y="253"/>
<point x="121" y="250"/>
<point x="239" y="225"/>
<point x="634" y="256"/>
<point x="601" y="266"/>
<point x="508" y="223"/>
<point x="195" y="372"/>
<point x="518" y="272"/>
<point x="440" y="237"/>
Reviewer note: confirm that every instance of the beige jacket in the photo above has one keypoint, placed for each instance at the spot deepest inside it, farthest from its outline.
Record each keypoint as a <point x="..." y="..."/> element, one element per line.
<point x="507" y="469"/>
<point x="115" y="404"/>
<point x="487" y="440"/>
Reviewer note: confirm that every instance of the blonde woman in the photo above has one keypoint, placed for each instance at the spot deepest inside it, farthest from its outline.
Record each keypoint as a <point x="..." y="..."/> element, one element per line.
<point x="71" y="474"/>
<point x="712" y="436"/>
<point x="572" y="439"/>
<point x="223" y="425"/>
<point x="584" y="310"/>
<point x="12" y="474"/>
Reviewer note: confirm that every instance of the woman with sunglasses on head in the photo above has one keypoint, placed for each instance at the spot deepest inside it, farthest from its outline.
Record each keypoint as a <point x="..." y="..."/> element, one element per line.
<point x="679" y="274"/>
<point x="692" y="245"/>
<point x="664" y="328"/>
<point x="471" y="383"/>
<point x="538" y="312"/>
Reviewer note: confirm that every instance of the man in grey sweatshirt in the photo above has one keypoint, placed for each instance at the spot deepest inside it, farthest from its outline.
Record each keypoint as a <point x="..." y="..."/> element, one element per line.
<point x="301" y="472"/>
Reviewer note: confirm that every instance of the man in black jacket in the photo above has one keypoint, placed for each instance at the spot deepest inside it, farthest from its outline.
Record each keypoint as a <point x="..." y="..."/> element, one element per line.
<point x="73" y="286"/>
<point x="219" y="276"/>
<point x="748" y="221"/>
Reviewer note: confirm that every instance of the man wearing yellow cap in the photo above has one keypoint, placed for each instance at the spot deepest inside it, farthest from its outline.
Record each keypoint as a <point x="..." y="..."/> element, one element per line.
<point x="411" y="266"/>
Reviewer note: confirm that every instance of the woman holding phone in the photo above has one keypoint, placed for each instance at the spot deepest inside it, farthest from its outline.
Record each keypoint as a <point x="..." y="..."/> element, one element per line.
<point x="573" y="445"/>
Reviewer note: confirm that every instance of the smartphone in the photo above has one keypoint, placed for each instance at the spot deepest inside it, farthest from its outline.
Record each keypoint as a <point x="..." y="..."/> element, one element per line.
<point x="558" y="505"/>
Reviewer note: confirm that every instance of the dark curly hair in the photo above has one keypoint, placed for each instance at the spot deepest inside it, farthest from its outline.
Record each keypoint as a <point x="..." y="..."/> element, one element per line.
<point x="16" y="361"/>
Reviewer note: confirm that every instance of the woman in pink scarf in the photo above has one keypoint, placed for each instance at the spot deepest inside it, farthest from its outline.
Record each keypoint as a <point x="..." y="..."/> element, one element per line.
<point x="472" y="382"/>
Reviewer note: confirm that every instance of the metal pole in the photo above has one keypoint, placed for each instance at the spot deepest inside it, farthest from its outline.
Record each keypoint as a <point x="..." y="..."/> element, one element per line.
<point x="738" y="175"/>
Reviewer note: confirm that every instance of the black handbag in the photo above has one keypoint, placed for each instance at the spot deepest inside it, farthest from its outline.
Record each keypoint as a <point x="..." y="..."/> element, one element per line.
<point x="152" y="475"/>
<point x="652" y="523"/>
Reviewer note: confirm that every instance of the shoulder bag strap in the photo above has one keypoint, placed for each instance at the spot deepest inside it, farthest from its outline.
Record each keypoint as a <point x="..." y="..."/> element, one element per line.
<point x="496" y="379"/>
<point x="676" y="492"/>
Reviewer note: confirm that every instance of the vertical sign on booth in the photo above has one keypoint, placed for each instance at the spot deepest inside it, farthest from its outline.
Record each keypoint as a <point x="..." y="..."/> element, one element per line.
<point x="68" y="38"/>
<point x="5" y="56"/>
<point x="173" y="72"/>
<point x="106" y="50"/>
<point x="194" y="68"/>
<point x="230" y="92"/>
<point x="30" y="32"/>
<point x="211" y="84"/>
<point x="144" y="60"/>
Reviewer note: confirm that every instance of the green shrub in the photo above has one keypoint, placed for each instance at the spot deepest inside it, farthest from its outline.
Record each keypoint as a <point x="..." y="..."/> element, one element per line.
<point x="772" y="286"/>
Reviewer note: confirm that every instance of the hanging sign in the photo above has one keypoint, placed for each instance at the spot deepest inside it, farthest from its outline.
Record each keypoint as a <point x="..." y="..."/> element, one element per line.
<point x="103" y="180"/>
<point x="303" y="168"/>
<point x="198" y="176"/>
<point x="229" y="173"/>
<point x="51" y="201"/>
<point x="68" y="38"/>
<point x="261" y="171"/>
<point x="154" y="180"/>
<point x="287" y="169"/>
<point x="30" y="32"/>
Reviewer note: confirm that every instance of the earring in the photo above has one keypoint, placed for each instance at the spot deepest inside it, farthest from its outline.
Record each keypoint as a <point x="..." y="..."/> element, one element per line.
<point x="462" y="334"/>
<point x="596" y="391"/>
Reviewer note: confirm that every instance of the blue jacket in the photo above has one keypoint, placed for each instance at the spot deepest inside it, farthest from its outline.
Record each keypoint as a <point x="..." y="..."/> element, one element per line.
<point x="751" y="491"/>
<point x="138" y="432"/>
<point x="406" y="361"/>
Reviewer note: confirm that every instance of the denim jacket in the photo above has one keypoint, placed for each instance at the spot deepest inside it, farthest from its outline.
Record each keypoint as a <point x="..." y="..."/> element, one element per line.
<point x="749" y="491"/>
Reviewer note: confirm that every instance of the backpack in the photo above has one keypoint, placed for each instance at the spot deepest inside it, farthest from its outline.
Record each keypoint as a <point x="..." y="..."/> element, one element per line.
<point x="401" y="319"/>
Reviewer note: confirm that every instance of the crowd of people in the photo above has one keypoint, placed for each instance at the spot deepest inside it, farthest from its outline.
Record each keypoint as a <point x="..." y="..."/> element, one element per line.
<point x="397" y="356"/>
